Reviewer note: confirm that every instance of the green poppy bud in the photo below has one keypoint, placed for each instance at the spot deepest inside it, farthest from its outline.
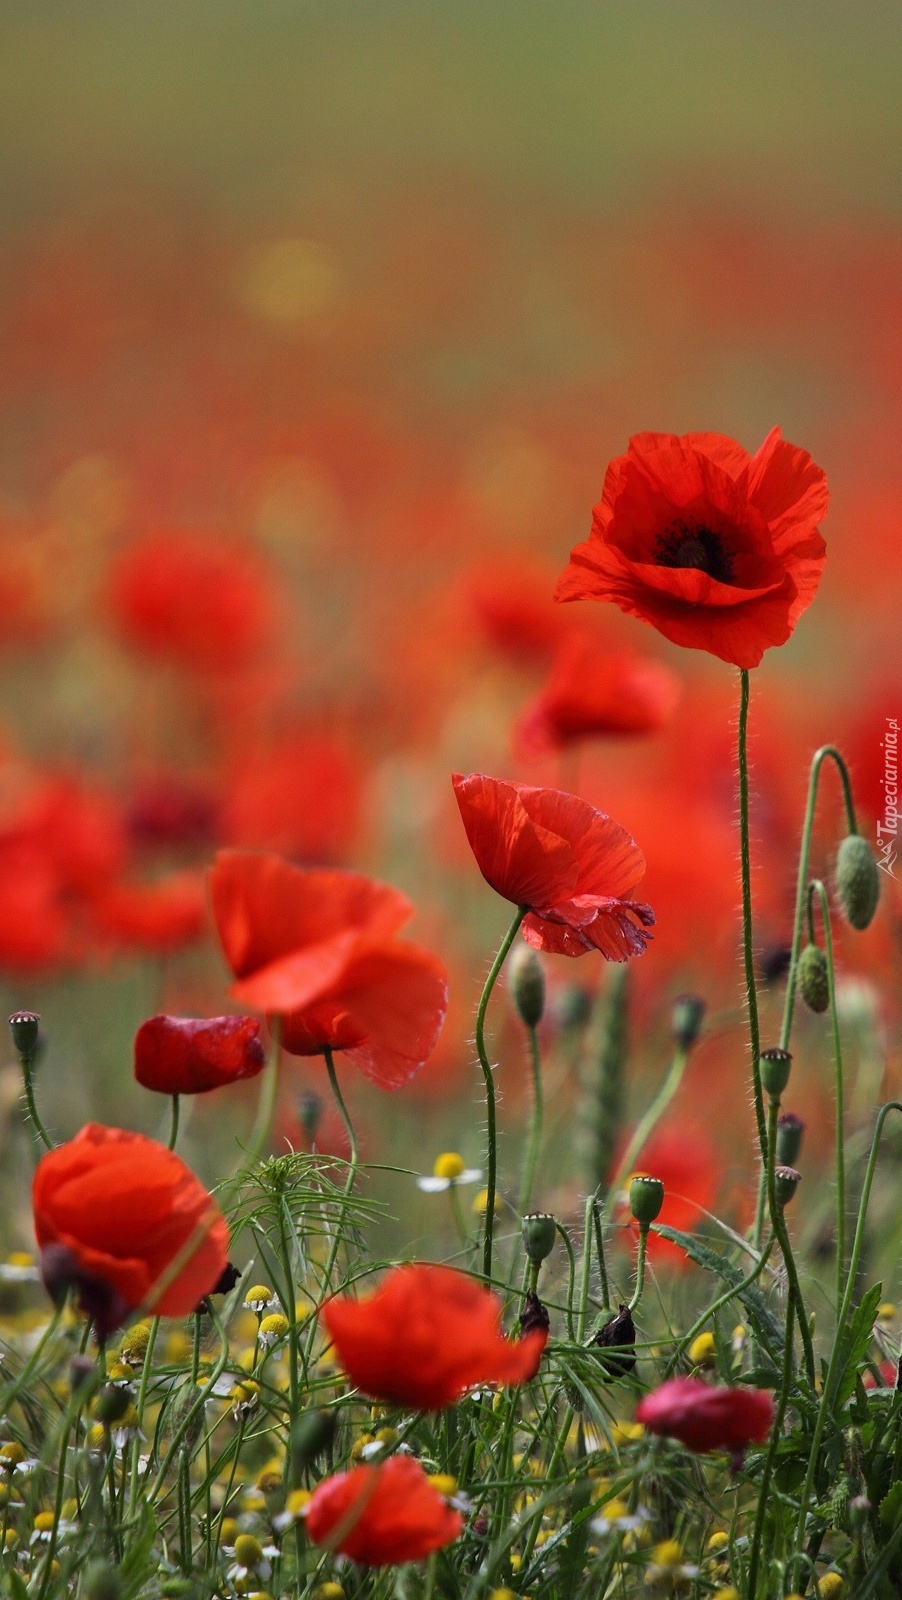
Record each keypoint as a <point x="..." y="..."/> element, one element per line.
<point x="775" y="1068"/>
<point x="526" y="984"/>
<point x="539" y="1233"/>
<point x="101" y="1581"/>
<point x="686" y="1020"/>
<point x="789" y="1139"/>
<point x="311" y="1434"/>
<point x="646" y="1197"/>
<point x="813" y="981"/>
<point x="857" y="880"/>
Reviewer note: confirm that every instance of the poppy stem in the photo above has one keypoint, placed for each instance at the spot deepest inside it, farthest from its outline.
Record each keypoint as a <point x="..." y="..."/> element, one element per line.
<point x="343" y="1110"/>
<point x="26" y="1063"/>
<point x="491" y="1122"/>
<point x="535" y="1122"/>
<point x="747" y="940"/>
<point x="174" y="1131"/>
<point x="640" y="1268"/>
<point x="817" y="888"/>
<point x="267" y="1104"/>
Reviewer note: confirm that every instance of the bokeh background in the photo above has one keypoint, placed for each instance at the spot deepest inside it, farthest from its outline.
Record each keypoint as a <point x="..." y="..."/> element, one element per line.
<point x="319" y="325"/>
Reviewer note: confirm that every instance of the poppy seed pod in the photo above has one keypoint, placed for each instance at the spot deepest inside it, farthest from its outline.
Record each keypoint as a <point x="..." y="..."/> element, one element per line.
<point x="526" y="984"/>
<point x="857" y="880"/>
<point x="789" y="1139"/>
<point x="813" y="978"/>
<point x="25" y="1027"/>
<point x="686" y="1020"/>
<point x="539" y="1234"/>
<point x="646" y="1198"/>
<point x="786" y="1182"/>
<point x="775" y="1068"/>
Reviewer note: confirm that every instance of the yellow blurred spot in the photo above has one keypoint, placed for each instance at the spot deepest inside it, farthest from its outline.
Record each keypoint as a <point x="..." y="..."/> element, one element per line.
<point x="177" y="1348"/>
<point x="717" y="1542"/>
<point x="701" y="1350"/>
<point x="481" y="1200"/>
<point x="443" y="1483"/>
<point x="329" y="1591"/>
<point x="292" y="282"/>
<point x="885" y="1312"/>
<point x="667" y="1554"/>
<point x="831" y="1586"/>
<point x="20" y="1258"/>
<point x="626" y="1433"/>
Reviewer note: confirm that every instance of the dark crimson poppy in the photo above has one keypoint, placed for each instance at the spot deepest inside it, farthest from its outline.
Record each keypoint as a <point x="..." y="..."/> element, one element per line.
<point x="113" y="1213"/>
<point x="568" y="863"/>
<point x="426" y="1336"/>
<point x="382" y="1515"/>
<point x="592" y="692"/>
<point x="717" y="549"/>
<point x="189" y="1055"/>
<point x="318" y="949"/>
<point x="706" y="1418"/>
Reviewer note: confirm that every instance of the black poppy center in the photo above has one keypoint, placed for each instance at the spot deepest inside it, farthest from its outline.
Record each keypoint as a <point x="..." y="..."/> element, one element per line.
<point x="690" y="545"/>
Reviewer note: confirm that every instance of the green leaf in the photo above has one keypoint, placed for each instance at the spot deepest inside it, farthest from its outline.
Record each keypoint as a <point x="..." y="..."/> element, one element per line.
<point x="765" y="1324"/>
<point x="890" y="1513"/>
<point x="17" y="1585"/>
<point x="855" y="1342"/>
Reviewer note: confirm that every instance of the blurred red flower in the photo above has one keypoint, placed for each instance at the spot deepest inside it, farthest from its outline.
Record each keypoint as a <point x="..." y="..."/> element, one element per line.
<point x="273" y="798"/>
<point x="198" y="600"/>
<point x="512" y="603"/>
<point x="704" y="1418"/>
<point x="113" y="1213"/>
<point x="189" y="1055"/>
<point x="382" y="1515"/>
<point x="318" y="949"/>
<point x="717" y="549"/>
<point x="568" y="863"/>
<point x="427" y="1335"/>
<point x="592" y="692"/>
<point x="153" y="917"/>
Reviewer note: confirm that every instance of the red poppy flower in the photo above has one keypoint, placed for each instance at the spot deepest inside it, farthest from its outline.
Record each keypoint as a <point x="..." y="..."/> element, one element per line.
<point x="198" y="600"/>
<point x="426" y="1336"/>
<point x="718" y="549"/>
<point x="319" y="950"/>
<point x="568" y="863"/>
<point x="156" y="917"/>
<point x="381" y="1516"/>
<point x="189" y="1055"/>
<point x="704" y="1418"/>
<point x="591" y="692"/>
<point x="122" y="1220"/>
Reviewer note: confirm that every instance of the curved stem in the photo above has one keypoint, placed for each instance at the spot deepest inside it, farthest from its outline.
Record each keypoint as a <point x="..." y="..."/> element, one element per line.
<point x="571" y="1279"/>
<point x="640" y="1267"/>
<point x="649" y="1121"/>
<point x="492" y="1135"/>
<point x="174" y="1131"/>
<point x="817" y="761"/>
<point x="346" y="1192"/>
<point x="267" y="1103"/>
<point x="818" y="888"/>
<point x="26" y="1063"/>
<point x="535" y="1122"/>
<point x="342" y="1108"/>
<point x="585" y="1271"/>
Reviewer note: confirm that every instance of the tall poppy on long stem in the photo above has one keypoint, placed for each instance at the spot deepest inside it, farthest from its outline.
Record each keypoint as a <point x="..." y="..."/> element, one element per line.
<point x="568" y="869"/>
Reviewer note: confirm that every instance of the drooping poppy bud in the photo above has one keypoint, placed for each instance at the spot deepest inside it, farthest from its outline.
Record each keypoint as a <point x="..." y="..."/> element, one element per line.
<point x="706" y="1418"/>
<point x="619" y="1330"/>
<point x="534" y="1317"/>
<point x="686" y="1020"/>
<point x="526" y="983"/>
<point x="857" y="880"/>
<point x="813" y="978"/>
<point x="776" y="1065"/>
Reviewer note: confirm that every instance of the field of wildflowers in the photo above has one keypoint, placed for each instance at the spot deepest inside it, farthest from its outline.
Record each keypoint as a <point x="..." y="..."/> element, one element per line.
<point x="449" y="913"/>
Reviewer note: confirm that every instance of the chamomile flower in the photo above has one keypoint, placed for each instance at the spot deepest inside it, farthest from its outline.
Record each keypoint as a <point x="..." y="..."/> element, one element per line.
<point x="272" y="1328"/>
<point x="19" y="1267"/>
<point x="616" y="1517"/>
<point x="295" y="1509"/>
<point x="448" y="1170"/>
<point x="252" y="1559"/>
<point x="260" y="1299"/>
